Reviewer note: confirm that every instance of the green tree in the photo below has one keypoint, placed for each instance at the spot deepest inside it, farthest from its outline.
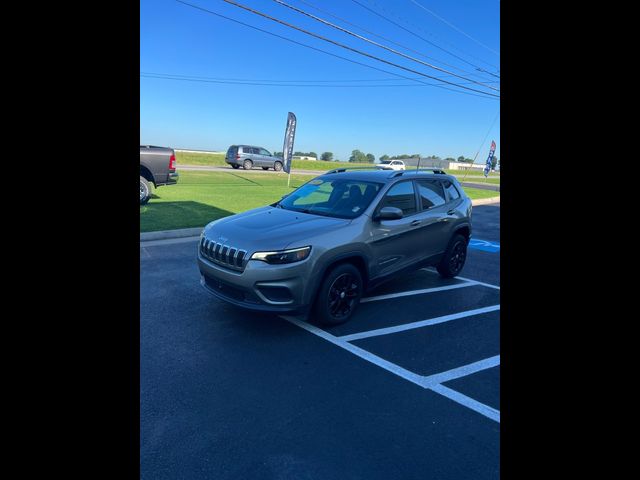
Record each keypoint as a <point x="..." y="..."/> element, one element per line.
<point x="357" y="157"/>
<point x="371" y="158"/>
<point x="461" y="158"/>
<point x="327" y="156"/>
<point x="384" y="157"/>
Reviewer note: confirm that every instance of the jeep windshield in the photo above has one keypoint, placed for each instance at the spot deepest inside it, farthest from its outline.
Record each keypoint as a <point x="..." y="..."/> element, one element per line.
<point x="335" y="198"/>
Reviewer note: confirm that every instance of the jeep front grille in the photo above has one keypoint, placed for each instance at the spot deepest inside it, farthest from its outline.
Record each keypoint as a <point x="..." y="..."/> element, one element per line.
<point x="225" y="255"/>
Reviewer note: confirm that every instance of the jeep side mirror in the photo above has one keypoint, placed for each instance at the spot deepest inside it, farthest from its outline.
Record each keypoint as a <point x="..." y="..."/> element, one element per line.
<point x="389" y="213"/>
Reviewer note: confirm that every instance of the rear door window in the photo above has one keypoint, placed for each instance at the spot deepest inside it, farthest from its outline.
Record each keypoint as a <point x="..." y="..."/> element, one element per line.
<point x="431" y="193"/>
<point x="401" y="196"/>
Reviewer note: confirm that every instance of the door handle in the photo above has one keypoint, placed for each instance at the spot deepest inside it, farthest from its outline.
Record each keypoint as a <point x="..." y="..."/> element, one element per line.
<point x="415" y="223"/>
<point x="451" y="212"/>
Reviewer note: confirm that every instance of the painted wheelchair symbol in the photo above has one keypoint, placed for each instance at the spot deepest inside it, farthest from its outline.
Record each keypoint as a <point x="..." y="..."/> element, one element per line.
<point x="484" y="245"/>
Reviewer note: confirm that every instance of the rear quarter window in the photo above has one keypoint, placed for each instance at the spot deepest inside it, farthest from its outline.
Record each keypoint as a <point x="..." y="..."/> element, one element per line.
<point x="431" y="193"/>
<point x="452" y="190"/>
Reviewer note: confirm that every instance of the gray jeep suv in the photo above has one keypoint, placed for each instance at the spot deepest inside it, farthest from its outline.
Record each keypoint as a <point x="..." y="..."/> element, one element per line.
<point x="321" y="247"/>
<point x="248" y="156"/>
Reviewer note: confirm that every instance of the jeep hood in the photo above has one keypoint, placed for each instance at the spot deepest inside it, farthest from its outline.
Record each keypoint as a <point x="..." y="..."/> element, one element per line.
<point x="269" y="228"/>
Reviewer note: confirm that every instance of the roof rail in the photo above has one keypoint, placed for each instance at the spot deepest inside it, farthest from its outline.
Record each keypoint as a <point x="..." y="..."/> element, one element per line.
<point x="344" y="169"/>
<point x="438" y="171"/>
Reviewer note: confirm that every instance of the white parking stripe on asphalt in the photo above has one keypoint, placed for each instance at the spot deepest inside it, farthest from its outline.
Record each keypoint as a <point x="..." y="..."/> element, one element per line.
<point x="463" y="371"/>
<point x="364" y="354"/>
<point x="419" y="380"/>
<point x="419" y="324"/>
<point x="468" y="402"/>
<point x="430" y="269"/>
<point x="418" y="292"/>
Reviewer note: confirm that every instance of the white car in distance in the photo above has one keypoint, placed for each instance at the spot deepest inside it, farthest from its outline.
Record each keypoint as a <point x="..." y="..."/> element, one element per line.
<point x="391" y="165"/>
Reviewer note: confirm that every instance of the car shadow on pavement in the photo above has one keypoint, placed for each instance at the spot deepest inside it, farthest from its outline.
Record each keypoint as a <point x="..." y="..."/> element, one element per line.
<point x="173" y="215"/>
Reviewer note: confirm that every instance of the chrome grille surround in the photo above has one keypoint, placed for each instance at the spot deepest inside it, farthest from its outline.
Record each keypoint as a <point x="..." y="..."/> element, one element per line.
<point x="223" y="254"/>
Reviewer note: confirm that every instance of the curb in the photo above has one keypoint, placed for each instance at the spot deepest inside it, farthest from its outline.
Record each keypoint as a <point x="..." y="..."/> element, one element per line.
<point x="485" y="201"/>
<point x="194" y="232"/>
<point x="166" y="234"/>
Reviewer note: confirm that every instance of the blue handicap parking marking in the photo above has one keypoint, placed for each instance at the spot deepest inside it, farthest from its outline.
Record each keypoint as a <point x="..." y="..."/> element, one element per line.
<point x="484" y="245"/>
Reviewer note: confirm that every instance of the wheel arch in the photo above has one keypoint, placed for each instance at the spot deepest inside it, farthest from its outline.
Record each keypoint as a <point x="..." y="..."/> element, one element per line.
<point x="146" y="173"/>
<point x="357" y="259"/>
<point x="464" y="230"/>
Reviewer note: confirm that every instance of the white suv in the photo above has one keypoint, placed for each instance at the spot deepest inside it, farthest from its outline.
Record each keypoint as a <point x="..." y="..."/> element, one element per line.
<point x="391" y="165"/>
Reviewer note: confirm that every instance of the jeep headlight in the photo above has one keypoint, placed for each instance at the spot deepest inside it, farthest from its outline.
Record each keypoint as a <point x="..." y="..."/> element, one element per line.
<point x="282" y="256"/>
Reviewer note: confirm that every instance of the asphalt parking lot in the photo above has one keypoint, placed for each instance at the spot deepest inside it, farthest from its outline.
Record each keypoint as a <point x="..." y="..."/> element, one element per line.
<point x="409" y="388"/>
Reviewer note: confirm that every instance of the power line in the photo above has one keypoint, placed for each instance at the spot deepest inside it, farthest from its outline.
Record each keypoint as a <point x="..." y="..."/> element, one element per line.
<point x="388" y="40"/>
<point x="348" y="32"/>
<point x="453" y="26"/>
<point x="286" y="81"/>
<point x="484" y="95"/>
<point x="418" y="36"/>
<point x="268" y="83"/>
<point x="412" y="33"/>
<point x="346" y="47"/>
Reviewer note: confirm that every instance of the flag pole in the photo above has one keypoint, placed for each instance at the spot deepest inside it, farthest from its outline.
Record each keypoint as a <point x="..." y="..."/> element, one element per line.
<point x="481" y="145"/>
<point x="287" y="150"/>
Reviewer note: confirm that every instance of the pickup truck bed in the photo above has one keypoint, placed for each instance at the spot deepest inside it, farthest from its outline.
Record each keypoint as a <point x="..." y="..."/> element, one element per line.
<point x="157" y="167"/>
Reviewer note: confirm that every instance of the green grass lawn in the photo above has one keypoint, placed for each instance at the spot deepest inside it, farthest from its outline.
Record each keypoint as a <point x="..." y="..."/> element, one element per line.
<point x="200" y="197"/>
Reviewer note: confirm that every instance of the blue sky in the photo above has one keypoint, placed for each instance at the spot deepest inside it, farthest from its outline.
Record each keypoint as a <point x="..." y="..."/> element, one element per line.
<point x="178" y="40"/>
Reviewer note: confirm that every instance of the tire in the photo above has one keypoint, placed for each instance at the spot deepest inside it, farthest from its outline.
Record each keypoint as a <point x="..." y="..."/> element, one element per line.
<point x="454" y="258"/>
<point x="277" y="166"/>
<point x="342" y="282"/>
<point x="265" y="168"/>
<point x="145" y="190"/>
<point x="235" y="167"/>
<point x="247" y="164"/>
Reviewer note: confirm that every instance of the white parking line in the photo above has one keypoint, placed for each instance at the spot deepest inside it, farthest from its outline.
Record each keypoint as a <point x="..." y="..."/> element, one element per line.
<point x="419" y="380"/>
<point x="364" y="354"/>
<point x="419" y="324"/>
<point x="468" y="402"/>
<point x="461" y="371"/>
<point x="429" y="269"/>
<point x="418" y="292"/>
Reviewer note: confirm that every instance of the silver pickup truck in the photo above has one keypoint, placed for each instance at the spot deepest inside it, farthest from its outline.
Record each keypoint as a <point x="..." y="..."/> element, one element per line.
<point x="157" y="167"/>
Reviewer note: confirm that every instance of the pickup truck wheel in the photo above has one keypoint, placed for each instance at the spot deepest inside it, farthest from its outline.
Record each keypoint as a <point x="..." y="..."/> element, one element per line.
<point x="454" y="258"/>
<point x="265" y="168"/>
<point x="247" y="165"/>
<point x="339" y="295"/>
<point x="145" y="190"/>
<point x="235" y="167"/>
<point x="277" y="166"/>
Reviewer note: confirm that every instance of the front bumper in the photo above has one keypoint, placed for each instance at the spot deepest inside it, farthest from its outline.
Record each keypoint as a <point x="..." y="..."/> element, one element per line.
<point x="260" y="287"/>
